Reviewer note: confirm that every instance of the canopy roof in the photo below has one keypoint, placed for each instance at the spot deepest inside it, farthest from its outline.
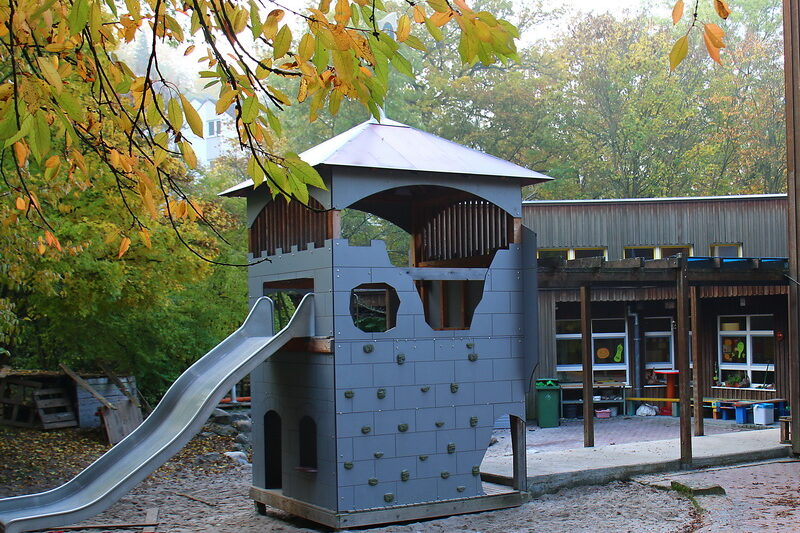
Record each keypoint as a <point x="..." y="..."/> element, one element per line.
<point x="392" y="145"/>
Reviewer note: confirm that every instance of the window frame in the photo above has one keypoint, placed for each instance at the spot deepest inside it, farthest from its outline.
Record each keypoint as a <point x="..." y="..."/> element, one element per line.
<point x="657" y="249"/>
<point x="571" y="251"/>
<point x="660" y="335"/>
<point x="748" y="367"/>
<point x="739" y="249"/>
<point x="624" y="365"/>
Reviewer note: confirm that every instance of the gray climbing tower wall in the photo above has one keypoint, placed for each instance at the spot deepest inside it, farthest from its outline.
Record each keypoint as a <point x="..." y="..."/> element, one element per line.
<point x="402" y="416"/>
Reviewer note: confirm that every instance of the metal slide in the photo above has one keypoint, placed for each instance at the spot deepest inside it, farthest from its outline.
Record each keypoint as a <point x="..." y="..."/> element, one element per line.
<point x="178" y="417"/>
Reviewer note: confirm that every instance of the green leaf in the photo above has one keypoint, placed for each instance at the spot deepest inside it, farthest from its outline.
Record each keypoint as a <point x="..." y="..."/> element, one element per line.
<point x="254" y="171"/>
<point x="274" y="122"/>
<point x="282" y="42"/>
<point x="40" y="137"/>
<point x="304" y="171"/>
<point x="78" y="16"/>
<point x="175" y="114"/>
<point x="24" y="129"/>
<point x="70" y="105"/>
<point x="255" y="22"/>
<point x="250" y="109"/>
<point x="678" y="53"/>
<point x="402" y="65"/>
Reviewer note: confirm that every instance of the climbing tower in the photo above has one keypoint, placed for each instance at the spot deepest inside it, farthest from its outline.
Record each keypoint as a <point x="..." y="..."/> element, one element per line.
<point x="386" y="413"/>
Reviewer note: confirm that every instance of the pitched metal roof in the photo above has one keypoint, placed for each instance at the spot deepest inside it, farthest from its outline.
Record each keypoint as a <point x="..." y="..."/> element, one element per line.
<point x="392" y="145"/>
<point x="733" y="197"/>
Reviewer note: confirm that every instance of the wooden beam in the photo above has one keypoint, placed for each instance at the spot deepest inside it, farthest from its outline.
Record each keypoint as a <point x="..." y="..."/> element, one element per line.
<point x="119" y="384"/>
<point x="519" y="450"/>
<point x="588" y="375"/>
<point x="697" y="363"/>
<point x="83" y="384"/>
<point x="791" y="55"/>
<point x="683" y="367"/>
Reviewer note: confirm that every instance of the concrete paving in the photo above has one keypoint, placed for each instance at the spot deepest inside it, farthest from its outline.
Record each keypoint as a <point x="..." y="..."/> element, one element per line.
<point x="549" y="471"/>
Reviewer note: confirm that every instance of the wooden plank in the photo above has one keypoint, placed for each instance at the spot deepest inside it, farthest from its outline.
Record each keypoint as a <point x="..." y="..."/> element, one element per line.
<point x="420" y="511"/>
<point x="53" y="402"/>
<point x="127" y="525"/>
<point x="683" y="365"/>
<point x="119" y="384"/>
<point x="121" y="421"/>
<point x="588" y="375"/>
<point x="697" y="363"/>
<point x="84" y="385"/>
<point x="151" y="517"/>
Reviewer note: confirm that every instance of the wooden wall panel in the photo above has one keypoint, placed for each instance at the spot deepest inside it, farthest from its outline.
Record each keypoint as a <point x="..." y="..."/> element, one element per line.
<point x="284" y="224"/>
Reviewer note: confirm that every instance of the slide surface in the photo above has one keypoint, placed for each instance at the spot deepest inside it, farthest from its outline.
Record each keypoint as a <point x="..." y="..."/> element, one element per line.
<point x="176" y="419"/>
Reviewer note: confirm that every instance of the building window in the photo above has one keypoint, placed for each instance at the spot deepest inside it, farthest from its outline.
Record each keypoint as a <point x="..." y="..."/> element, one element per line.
<point x="747" y="350"/>
<point x="657" y="252"/>
<point x="658" y="344"/>
<point x="308" y="444"/>
<point x="373" y="307"/>
<point x="571" y="253"/>
<point x="726" y="250"/>
<point x="450" y="304"/>
<point x="609" y="348"/>
<point x="214" y="127"/>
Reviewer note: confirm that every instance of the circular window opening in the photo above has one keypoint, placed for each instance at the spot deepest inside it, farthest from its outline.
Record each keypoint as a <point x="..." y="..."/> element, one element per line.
<point x="373" y="307"/>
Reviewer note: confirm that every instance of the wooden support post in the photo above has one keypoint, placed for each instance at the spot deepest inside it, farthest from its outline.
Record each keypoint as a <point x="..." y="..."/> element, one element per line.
<point x="82" y="382"/>
<point x="588" y="374"/>
<point x="333" y="224"/>
<point x="683" y="364"/>
<point x="519" y="452"/>
<point x="697" y="363"/>
<point x="791" y="55"/>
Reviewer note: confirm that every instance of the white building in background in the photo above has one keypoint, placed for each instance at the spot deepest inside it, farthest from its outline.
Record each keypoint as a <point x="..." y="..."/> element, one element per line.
<point x="219" y="132"/>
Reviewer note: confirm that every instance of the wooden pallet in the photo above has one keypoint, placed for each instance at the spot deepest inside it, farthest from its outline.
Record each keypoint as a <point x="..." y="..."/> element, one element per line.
<point x="54" y="408"/>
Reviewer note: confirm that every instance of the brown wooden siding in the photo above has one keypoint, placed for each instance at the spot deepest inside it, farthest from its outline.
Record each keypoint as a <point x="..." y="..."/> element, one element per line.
<point x="471" y="228"/>
<point x="284" y="224"/>
<point x="757" y="222"/>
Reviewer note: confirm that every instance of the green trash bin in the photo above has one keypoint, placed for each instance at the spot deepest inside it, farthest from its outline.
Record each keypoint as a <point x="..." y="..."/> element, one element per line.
<point x="547" y="402"/>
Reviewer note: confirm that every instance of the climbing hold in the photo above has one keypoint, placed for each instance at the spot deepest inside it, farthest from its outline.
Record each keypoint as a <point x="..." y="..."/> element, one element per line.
<point x="461" y="488"/>
<point x="476" y="470"/>
<point x="402" y="428"/>
<point x="473" y="421"/>
<point x="470" y="345"/>
<point x="445" y="474"/>
<point x="349" y="394"/>
<point x="365" y="429"/>
<point x="378" y="455"/>
<point x="368" y="348"/>
<point x="401" y="358"/>
<point x="348" y="465"/>
<point x="372" y="481"/>
<point x="439" y="423"/>
<point x="454" y="387"/>
<point x="404" y="475"/>
<point x="381" y="393"/>
<point x="451" y="447"/>
<point x="423" y="457"/>
<point x="472" y="357"/>
<point x="388" y="497"/>
<point x="426" y="388"/>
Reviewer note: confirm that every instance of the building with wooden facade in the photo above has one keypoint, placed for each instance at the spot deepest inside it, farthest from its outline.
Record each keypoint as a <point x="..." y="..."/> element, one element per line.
<point x="617" y="248"/>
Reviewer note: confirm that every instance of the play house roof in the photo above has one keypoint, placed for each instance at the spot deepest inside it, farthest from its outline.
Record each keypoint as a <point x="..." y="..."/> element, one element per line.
<point x="392" y="145"/>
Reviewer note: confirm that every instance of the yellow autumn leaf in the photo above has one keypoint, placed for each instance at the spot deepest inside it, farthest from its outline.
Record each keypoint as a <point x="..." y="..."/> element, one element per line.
<point x="715" y="34"/>
<point x="678" y="53"/>
<point x="722" y="8"/>
<point x="123" y="246"/>
<point x="189" y="50"/>
<point x="40" y="247"/>
<point x="144" y="234"/>
<point x="307" y="47"/>
<point x="713" y="51"/>
<point x="342" y="13"/>
<point x="21" y="204"/>
<point x="21" y="151"/>
<point x="403" y="28"/>
<point x="52" y="162"/>
<point x="225" y="101"/>
<point x="270" y="27"/>
<point x="52" y="240"/>
<point x="50" y="73"/>
<point x="419" y="14"/>
<point x="188" y="154"/>
<point x="192" y="117"/>
<point x="282" y="42"/>
<point x="677" y="12"/>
